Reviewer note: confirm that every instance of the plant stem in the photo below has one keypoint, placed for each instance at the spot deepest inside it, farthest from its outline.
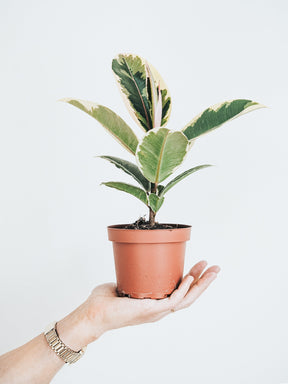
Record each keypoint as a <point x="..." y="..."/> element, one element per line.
<point x="152" y="214"/>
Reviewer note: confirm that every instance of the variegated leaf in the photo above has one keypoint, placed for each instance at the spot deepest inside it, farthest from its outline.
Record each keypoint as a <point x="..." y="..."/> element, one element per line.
<point x="181" y="177"/>
<point x="158" y="111"/>
<point x="166" y="97"/>
<point x="217" y="115"/>
<point x="160" y="152"/>
<point x="141" y="85"/>
<point x="155" y="202"/>
<point x="113" y="123"/>
<point x="130" y="168"/>
<point x="153" y="96"/>
<point x="131" y="76"/>
<point x="128" y="188"/>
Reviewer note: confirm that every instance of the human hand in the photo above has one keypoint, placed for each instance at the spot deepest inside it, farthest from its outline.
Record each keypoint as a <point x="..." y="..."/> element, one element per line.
<point x="104" y="310"/>
<point x="117" y="312"/>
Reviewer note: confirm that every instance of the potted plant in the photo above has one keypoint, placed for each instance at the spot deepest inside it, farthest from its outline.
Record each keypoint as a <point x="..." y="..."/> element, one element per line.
<point x="149" y="256"/>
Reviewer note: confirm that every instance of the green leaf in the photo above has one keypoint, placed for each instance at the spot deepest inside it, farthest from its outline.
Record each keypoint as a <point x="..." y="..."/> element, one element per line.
<point x="130" y="168"/>
<point x="160" y="189"/>
<point x="131" y="189"/>
<point x="181" y="177"/>
<point x="131" y="76"/>
<point x="113" y="123"/>
<point x="155" y="202"/>
<point x="218" y="114"/>
<point x="160" y="152"/>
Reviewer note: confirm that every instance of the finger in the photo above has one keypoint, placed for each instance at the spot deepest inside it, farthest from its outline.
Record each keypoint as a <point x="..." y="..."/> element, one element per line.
<point x="168" y="304"/>
<point x="197" y="269"/>
<point x="196" y="290"/>
<point x="165" y="306"/>
<point x="195" y="272"/>
<point x="214" y="268"/>
<point x="180" y="292"/>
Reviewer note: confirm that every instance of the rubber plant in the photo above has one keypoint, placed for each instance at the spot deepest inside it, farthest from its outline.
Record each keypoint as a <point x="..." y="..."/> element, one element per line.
<point x="160" y="150"/>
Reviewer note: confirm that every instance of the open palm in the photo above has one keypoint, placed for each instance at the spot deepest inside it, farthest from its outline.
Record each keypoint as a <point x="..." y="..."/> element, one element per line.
<point x="116" y="312"/>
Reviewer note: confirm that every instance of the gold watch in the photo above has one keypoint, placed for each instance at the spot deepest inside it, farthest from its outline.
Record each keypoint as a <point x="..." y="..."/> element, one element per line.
<point x="67" y="354"/>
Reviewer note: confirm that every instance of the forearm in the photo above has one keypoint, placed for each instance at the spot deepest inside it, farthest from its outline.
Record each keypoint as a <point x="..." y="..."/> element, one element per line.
<point x="35" y="361"/>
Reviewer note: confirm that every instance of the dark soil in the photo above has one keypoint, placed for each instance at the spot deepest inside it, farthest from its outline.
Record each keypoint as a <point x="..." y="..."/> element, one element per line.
<point x="143" y="224"/>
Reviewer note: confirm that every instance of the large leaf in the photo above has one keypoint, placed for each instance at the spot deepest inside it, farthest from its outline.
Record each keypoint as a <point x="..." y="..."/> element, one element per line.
<point x="218" y="114"/>
<point x="160" y="152"/>
<point x="131" y="75"/>
<point x="181" y="177"/>
<point x="131" y="189"/>
<point x="129" y="168"/>
<point x="155" y="202"/>
<point x="144" y="91"/>
<point x="113" y="123"/>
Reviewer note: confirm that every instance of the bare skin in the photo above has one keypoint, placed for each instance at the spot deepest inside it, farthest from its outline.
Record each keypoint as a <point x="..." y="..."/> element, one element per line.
<point x="36" y="363"/>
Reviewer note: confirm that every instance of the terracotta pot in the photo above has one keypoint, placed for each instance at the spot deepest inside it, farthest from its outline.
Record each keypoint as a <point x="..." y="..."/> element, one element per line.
<point x="148" y="263"/>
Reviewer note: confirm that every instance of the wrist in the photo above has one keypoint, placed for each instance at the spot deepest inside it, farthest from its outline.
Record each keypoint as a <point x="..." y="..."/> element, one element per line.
<point x="76" y="329"/>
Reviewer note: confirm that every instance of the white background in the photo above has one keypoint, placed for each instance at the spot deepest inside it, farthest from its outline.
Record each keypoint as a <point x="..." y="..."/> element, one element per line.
<point x="53" y="213"/>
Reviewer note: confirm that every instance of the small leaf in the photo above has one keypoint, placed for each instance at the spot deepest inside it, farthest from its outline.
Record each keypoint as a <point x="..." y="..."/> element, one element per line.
<point x="155" y="202"/>
<point x="165" y="95"/>
<point x="154" y="95"/>
<point x="181" y="177"/>
<point x="160" y="152"/>
<point x="217" y="115"/>
<point x="128" y="188"/>
<point x="113" y="123"/>
<point x="158" y="111"/>
<point x="160" y="188"/>
<point x="130" y="168"/>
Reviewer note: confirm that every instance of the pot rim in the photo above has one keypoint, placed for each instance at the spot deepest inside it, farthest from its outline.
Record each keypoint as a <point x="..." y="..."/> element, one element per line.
<point x="167" y="235"/>
<point x="120" y="227"/>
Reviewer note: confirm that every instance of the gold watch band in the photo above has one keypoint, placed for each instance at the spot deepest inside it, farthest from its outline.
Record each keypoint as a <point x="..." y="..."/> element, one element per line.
<point x="66" y="353"/>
